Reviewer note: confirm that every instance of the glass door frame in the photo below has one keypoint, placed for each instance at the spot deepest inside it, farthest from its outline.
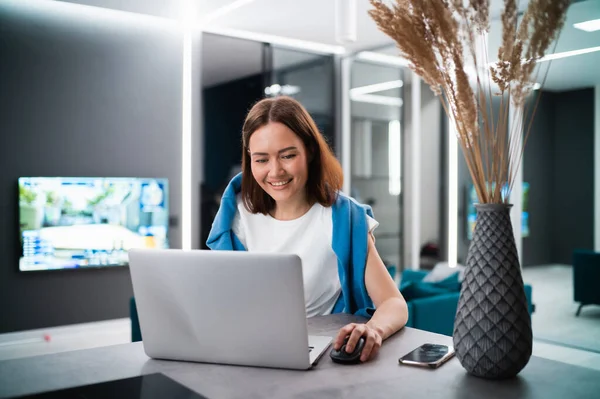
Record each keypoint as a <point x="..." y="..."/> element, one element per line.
<point x="345" y="130"/>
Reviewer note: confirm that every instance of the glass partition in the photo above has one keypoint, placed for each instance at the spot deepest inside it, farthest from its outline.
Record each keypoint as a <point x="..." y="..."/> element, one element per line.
<point x="309" y="78"/>
<point x="232" y="81"/>
<point x="376" y="96"/>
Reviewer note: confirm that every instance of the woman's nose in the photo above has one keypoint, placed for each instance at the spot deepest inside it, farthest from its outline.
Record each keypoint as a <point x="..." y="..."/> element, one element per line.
<point x="276" y="168"/>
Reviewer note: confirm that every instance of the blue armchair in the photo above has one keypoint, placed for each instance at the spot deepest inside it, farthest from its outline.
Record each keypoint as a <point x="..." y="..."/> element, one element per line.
<point x="436" y="313"/>
<point x="586" y="276"/>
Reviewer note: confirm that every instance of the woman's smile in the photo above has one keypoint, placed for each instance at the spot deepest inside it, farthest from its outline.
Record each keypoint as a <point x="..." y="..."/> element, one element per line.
<point x="278" y="185"/>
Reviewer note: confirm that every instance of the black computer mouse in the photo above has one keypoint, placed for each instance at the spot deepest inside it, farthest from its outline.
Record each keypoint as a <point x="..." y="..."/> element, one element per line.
<point x="343" y="357"/>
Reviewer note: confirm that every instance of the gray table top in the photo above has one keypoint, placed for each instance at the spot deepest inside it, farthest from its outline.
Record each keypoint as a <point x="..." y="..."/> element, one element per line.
<point x="382" y="377"/>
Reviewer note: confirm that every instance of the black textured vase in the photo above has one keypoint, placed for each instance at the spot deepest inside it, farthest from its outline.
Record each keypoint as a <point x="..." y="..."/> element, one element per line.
<point x="492" y="330"/>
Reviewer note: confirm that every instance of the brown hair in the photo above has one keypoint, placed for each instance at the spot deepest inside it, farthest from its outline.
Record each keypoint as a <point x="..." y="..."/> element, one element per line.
<point x="325" y="176"/>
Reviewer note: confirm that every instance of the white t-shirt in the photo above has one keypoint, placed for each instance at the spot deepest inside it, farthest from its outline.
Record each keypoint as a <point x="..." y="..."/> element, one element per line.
<point x="309" y="237"/>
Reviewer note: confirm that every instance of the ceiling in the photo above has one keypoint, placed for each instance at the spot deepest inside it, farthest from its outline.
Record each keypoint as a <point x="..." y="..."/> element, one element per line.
<point x="314" y="21"/>
<point x="242" y="58"/>
<point x="309" y="20"/>
<point x="171" y="9"/>
<point x="582" y="70"/>
<point x="569" y="73"/>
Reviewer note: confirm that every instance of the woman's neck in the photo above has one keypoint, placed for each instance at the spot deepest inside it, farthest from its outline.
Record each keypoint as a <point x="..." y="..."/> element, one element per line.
<point x="291" y="209"/>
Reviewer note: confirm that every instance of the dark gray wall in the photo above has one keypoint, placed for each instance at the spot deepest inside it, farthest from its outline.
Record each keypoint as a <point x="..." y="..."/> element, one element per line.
<point x="81" y="94"/>
<point x="573" y="207"/>
<point x="559" y="165"/>
<point x="538" y="171"/>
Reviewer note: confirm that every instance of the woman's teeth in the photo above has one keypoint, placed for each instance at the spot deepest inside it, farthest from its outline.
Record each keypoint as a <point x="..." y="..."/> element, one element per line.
<point x="282" y="183"/>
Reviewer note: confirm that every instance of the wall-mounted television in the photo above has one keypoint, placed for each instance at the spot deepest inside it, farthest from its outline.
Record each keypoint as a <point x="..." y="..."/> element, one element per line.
<point x="472" y="212"/>
<point x="77" y="222"/>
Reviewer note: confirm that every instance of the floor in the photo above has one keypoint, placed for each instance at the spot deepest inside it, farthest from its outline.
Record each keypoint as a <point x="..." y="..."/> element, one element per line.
<point x="554" y="319"/>
<point x="558" y="334"/>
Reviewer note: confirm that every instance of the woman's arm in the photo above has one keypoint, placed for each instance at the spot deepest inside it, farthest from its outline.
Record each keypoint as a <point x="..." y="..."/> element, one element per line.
<point x="391" y="311"/>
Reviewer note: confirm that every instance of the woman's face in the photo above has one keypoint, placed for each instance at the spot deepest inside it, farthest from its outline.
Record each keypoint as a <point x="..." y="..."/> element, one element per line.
<point x="279" y="162"/>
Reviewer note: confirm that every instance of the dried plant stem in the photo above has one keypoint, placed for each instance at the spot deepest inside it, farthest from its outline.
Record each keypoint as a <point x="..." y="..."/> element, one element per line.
<point x="439" y="38"/>
<point x="489" y="133"/>
<point x="521" y="119"/>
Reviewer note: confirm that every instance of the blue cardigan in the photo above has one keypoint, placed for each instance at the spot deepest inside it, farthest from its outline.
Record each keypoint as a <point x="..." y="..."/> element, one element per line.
<point x="350" y="230"/>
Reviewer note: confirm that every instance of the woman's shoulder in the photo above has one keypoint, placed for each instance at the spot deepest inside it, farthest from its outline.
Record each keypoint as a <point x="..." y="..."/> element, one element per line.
<point x="239" y="200"/>
<point x="323" y="212"/>
<point x="241" y="210"/>
<point x="242" y="213"/>
<point x="344" y="200"/>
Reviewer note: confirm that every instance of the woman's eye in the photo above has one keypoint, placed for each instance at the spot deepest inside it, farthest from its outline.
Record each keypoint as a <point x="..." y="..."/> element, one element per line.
<point x="290" y="156"/>
<point x="260" y="160"/>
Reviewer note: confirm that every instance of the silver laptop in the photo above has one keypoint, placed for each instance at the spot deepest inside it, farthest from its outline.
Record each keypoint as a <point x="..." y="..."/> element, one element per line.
<point x="225" y="307"/>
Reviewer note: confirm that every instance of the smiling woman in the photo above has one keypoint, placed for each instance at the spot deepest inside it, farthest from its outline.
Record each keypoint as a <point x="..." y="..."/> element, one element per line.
<point x="286" y="162"/>
<point x="288" y="200"/>
<point x="281" y="173"/>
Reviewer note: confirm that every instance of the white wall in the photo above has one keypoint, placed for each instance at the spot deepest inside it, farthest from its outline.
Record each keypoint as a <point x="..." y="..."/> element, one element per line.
<point x="430" y="171"/>
<point x="430" y="165"/>
<point x="370" y="164"/>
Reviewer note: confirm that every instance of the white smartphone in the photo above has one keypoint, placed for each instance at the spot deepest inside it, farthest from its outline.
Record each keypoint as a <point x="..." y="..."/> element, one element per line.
<point x="428" y="355"/>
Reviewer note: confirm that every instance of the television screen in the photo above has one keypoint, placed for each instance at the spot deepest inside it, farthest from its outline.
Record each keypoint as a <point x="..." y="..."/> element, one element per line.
<point x="75" y="222"/>
<point x="472" y="212"/>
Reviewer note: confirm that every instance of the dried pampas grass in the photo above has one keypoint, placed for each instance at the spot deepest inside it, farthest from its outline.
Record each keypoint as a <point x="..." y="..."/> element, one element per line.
<point x="443" y="40"/>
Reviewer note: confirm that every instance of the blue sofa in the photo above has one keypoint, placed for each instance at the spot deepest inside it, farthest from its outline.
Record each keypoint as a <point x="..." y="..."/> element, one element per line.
<point x="436" y="312"/>
<point x="586" y="277"/>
